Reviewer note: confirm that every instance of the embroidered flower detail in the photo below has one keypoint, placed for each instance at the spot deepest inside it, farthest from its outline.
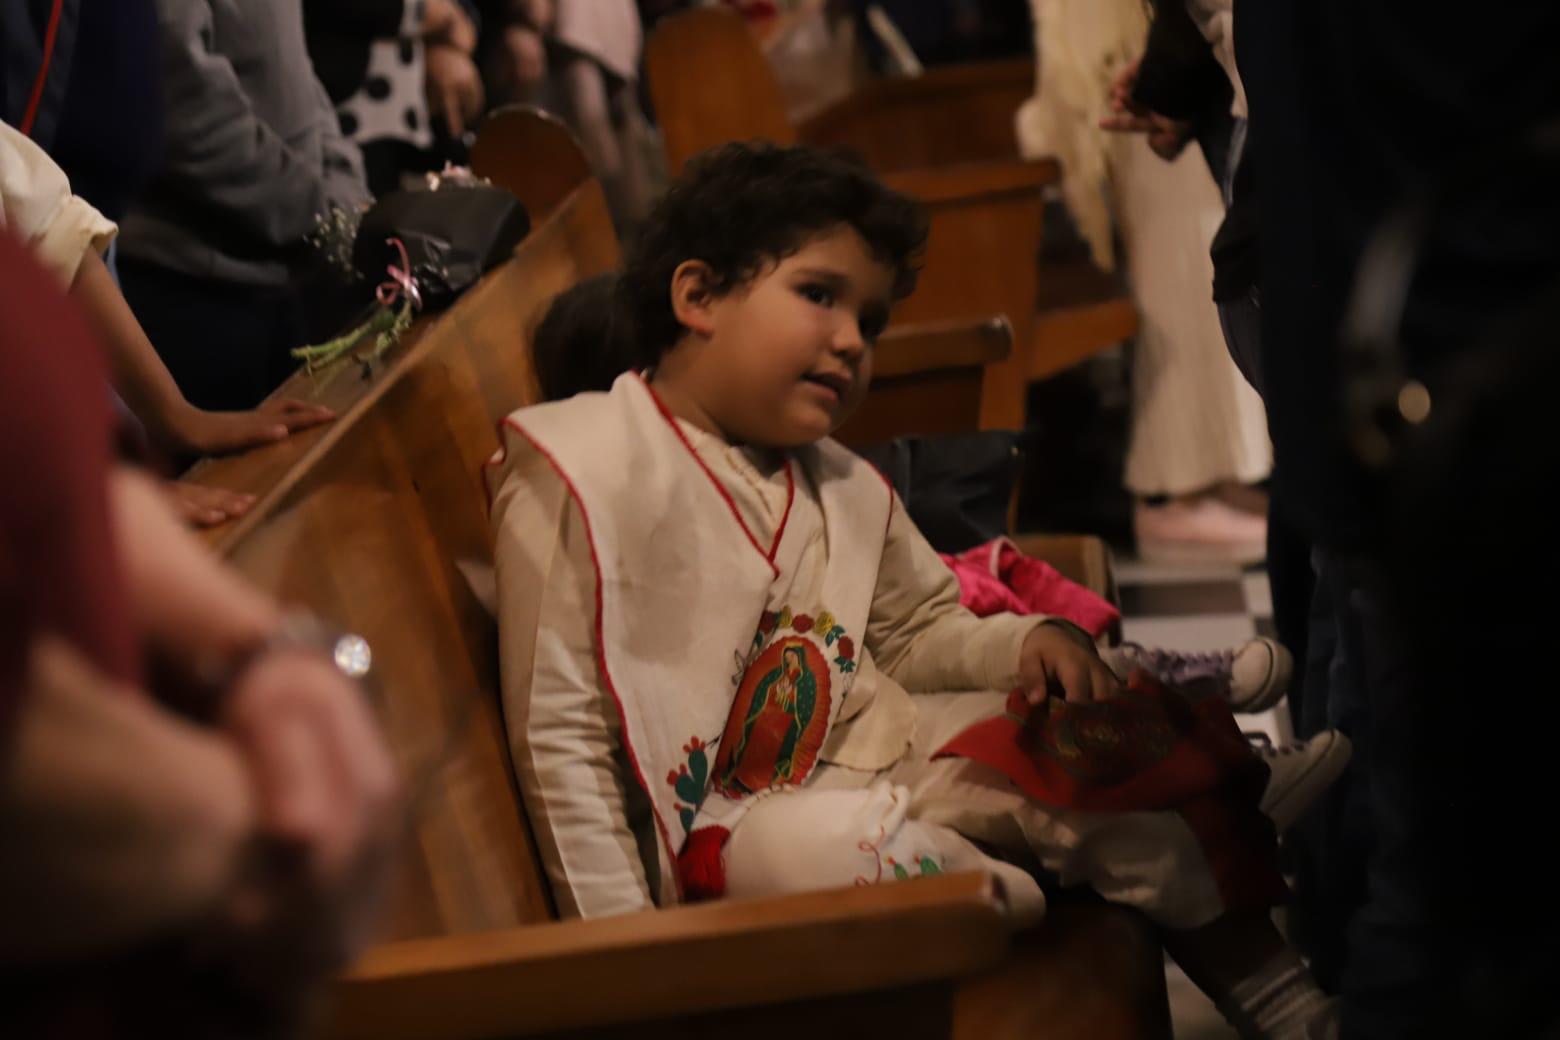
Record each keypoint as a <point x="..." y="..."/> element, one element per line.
<point x="802" y="623"/>
<point x="766" y="623"/>
<point x="926" y="865"/>
<point x="824" y="621"/>
<point x="846" y="655"/>
<point x="689" y="781"/>
<point x="785" y="617"/>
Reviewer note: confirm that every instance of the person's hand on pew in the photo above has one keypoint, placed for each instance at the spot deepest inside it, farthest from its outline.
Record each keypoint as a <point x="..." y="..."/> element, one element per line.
<point x="149" y="389"/>
<point x="1059" y="659"/>
<point x="201" y="506"/>
<point x="1167" y="137"/>
<point x="194" y="431"/>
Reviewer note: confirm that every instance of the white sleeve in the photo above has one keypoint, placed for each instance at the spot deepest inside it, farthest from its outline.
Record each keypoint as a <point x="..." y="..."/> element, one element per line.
<point x="564" y="731"/>
<point x="919" y="633"/>
<point x="37" y="206"/>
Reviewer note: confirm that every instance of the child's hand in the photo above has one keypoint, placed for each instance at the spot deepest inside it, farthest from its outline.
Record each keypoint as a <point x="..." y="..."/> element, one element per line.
<point x="1055" y="660"/>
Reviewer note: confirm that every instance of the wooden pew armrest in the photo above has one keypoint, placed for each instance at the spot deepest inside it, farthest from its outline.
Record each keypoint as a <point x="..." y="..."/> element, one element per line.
<point x="967" y="180"/>
<point x="1082" y="558"/>
<point x="922" y="347"/>
<point x="673" y="962"/>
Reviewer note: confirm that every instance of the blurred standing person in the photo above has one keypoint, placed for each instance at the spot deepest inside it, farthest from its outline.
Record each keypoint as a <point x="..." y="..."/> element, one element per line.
<point x="253" y="154"/>
<point x="1360" y="108"/>
<point x="1199" y="439"/>
<point x="1188" y="82"/>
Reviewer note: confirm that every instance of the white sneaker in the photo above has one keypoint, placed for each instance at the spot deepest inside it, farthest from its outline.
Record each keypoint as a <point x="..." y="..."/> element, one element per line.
<point x="1252" y="677"/>
<point x="1300" y="773"/>
<point x="1259" y="675"/>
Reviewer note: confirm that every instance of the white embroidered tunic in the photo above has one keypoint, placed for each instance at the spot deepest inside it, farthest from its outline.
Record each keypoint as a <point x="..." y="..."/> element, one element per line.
<point x="593" y="825"/>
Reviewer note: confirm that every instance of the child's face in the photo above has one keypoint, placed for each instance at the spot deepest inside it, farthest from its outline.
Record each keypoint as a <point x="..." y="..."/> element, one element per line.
<point x="783" y="360"/>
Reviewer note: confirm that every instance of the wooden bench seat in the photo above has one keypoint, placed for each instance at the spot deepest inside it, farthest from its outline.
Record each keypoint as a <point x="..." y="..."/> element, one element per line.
<point x="379" y="522"/>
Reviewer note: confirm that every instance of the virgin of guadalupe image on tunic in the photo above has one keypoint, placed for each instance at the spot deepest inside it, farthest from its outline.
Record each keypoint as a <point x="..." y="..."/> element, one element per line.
<point x="777" y="721"/>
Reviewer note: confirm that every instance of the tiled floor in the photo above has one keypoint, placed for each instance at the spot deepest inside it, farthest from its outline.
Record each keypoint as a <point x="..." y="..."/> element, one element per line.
<point x="1198" y="607"/>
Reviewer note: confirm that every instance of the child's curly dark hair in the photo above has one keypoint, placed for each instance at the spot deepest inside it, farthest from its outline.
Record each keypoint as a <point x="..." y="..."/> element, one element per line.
<point x="743" y="206"/>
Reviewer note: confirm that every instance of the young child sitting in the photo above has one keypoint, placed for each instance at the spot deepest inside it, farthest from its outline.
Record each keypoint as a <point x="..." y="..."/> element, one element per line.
<point x="730" y="660"/>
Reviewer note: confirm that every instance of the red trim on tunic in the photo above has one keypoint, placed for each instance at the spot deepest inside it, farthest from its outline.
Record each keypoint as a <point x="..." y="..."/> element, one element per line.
<point x="601" y="646"/>
<point x="785" y="517"/>
<point x="736" y="514"/>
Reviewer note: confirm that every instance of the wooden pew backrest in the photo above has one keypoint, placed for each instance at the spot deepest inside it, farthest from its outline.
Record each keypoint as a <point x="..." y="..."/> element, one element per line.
<point x="696" y="63"/>
<point x="386" y="533"/>
<point x="949" y="115"/>
<point x="533" y="154"/>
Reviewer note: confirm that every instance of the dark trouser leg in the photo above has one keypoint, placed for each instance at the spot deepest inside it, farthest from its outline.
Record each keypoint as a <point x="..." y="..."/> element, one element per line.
<point x="225" y="344"/>
<point x="1293" y="582"/>
<point x="1364" y="915"/>
<point x="1388" y="984"/>
<point x="1332" y="843"/>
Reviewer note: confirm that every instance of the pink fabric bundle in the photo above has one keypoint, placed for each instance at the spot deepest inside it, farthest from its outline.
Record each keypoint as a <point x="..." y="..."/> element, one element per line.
<point x="996" y="578"/>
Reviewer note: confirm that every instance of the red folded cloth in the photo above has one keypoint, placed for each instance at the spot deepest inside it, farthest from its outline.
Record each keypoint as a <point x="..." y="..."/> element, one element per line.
<point x="996" y="578"/>
<point x="1152" y="748"/>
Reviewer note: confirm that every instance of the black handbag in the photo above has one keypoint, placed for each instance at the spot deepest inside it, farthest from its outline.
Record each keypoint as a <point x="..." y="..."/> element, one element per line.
<point x="956" y="487"/>
<point x="452" y="235"/>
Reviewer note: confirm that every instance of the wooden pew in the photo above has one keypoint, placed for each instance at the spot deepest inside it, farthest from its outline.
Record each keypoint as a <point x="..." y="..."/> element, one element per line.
<point x="380" y="528"/>
<point x="531" y="153"/>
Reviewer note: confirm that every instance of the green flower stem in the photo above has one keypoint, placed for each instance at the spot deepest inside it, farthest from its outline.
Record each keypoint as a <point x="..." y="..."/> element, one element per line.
<point x="384" y="325"/>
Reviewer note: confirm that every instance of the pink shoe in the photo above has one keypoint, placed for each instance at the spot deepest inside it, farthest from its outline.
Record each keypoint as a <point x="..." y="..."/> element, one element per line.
<point x="1200" y="529"/>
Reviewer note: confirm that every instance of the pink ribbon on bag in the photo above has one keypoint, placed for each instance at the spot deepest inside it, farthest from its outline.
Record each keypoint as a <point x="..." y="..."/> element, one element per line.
<point x="401" y="284"/>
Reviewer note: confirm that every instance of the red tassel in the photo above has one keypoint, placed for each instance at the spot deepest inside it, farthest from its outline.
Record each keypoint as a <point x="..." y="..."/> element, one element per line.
<point x="701" y="866"/>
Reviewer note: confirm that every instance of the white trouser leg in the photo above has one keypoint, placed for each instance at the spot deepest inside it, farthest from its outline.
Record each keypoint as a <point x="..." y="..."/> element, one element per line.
<point x="807" y="839"/>
<point x="1148" y="860"/>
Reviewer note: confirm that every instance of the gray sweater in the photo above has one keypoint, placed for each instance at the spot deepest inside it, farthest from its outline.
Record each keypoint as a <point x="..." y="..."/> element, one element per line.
<point x="252" y="147"/>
